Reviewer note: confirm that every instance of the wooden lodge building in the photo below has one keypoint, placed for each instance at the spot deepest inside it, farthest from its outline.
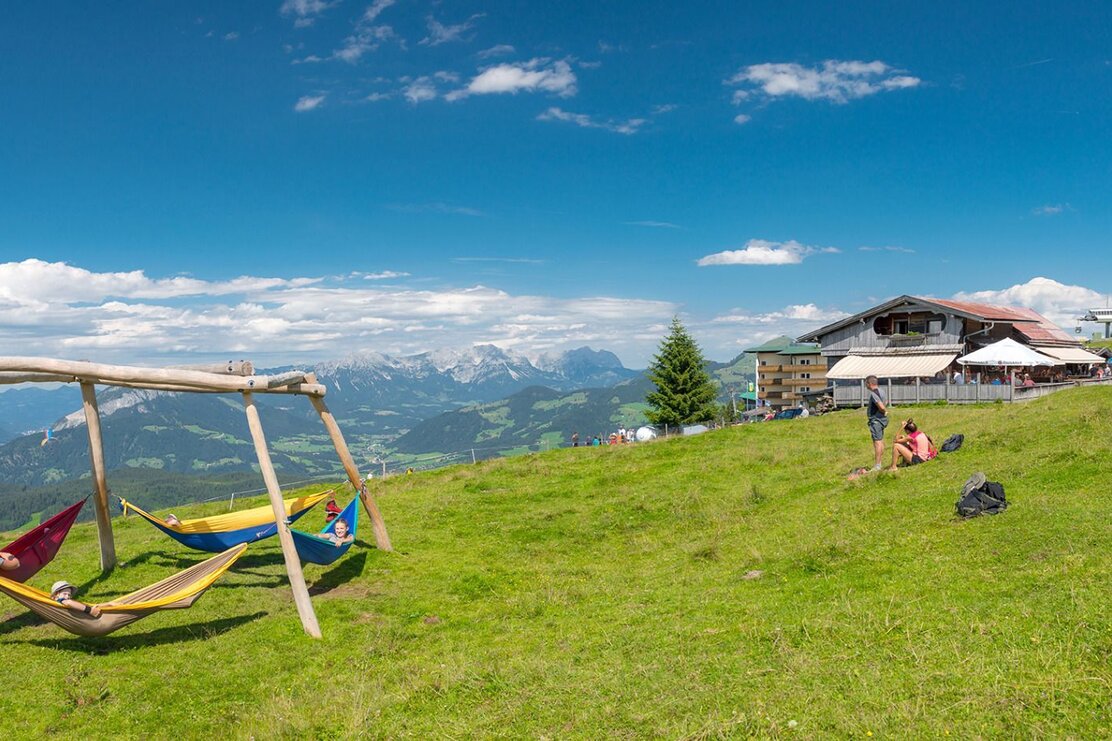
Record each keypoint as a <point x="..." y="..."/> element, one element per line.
<point x="912" y="343"/>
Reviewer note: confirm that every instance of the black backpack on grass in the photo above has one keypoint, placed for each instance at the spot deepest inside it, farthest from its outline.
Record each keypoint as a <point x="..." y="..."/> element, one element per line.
<point x="986" y="499"/>
<point x="953" y="442"/>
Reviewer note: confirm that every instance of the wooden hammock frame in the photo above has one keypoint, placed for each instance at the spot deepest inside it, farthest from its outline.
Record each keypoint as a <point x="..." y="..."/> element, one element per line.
<point x="220" y="378"/>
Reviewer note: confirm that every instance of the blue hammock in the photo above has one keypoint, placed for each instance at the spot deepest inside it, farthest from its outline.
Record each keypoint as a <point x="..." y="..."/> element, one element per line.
<point x="316" y="549"/>
<point x="219" y="533"/>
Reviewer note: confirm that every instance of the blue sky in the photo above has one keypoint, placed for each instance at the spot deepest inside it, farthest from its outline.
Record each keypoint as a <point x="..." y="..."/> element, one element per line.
<point x="411" y="175"/>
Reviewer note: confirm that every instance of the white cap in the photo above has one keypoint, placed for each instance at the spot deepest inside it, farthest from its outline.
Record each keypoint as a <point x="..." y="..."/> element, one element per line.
<point x="59" y="586"/>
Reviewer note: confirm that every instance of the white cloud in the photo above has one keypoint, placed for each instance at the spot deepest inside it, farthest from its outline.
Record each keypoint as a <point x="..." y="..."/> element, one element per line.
<point x="63" y="310"/>
<point x="309" y="103"/>
<point x="763" y="252"/>
<point x="375" y="8"/>
<point x="741" y="118"/>
<point x="653" y="224"/>
<point x="385" y="275"/>
<point x="904" y="250"/>
<point x="628" y="126"/>
<point x="305" y="12"/>
<point x="1051" y="209"/>
<point x="837" y="81"/>
<point x="365" y="39"/>
<point x="231" y="36"/>
<point x="420" y="90"/>
<point x="33" y="282"/>
<point x="375" y="97"/>
<point x="536" y="75"/>
<point x="795" y="312"/>
<point x="499" y="50"/>
<point x="436" y="207"/>
<point x="1059" y="302"/>
<point x="442" y="34"/>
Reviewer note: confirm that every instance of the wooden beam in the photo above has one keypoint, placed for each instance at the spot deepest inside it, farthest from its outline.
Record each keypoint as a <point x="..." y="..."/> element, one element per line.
<point x="303" y="389"/>
<point x="231" y="368"/>
<point x="96" y="458"/>
<point x="120" y="374"/>
<point x="293" y="563"/>
<point x="382" y="538"/>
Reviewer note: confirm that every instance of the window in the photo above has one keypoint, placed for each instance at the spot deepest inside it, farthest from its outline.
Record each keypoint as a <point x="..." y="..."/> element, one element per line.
<point x="804" y="389"/>
<point x="804" y="361"/>
<point x="804" y="375"/>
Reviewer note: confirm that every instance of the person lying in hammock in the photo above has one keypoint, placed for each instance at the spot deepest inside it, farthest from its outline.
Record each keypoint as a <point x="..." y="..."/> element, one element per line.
<point x="172" y="520"/>
<point x="62" y="592"/>
<point x="8" y="562"/>
<point x="341" y="533"/>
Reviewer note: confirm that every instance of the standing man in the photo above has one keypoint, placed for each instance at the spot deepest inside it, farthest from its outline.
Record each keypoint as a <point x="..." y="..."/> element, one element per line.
<point x="878" y="419"/>
<point x="575" y="439"/>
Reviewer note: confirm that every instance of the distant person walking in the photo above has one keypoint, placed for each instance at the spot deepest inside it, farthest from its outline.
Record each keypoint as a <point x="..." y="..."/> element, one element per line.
<point x="575" y="439"/>
<point x="878" y="419"/>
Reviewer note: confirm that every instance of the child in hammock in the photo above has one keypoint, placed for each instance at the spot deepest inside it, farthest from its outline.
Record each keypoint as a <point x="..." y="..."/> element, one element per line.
<point x="341" y="533"/>
<point x="62" y="592"/>
<point x="8" y="562"/>
<point x="172" y="520"/>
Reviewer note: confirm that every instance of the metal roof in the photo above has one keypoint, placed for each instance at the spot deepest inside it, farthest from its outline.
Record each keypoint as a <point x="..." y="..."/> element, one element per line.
<point x="1033" y="326"/>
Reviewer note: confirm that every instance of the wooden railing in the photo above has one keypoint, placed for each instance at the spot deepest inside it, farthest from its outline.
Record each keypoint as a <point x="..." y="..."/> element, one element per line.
<point x="846" y="395"/>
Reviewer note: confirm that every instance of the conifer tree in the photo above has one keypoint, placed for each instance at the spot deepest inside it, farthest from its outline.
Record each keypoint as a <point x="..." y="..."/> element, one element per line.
<point x="684" y="392"/>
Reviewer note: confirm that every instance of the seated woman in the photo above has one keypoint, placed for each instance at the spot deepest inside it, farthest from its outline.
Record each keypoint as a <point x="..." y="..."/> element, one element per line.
<point x="62" y="592"/>
<point x="341" y="533"/>
<point x="914" y="447"/>
<point x="8" y="562"/>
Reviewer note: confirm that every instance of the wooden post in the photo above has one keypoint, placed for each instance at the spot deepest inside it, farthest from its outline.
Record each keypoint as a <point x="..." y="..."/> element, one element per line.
<point x="889" y="392"/>
<point x="918" y="390"/>
<point x="293" y="563"/>
<point x="473" y="455"/>
<point x="382" y="538"/>
<point x="96" y="458"/>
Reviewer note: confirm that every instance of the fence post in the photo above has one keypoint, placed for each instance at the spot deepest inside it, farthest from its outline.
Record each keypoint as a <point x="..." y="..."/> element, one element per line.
<point x="473" y="456"/>
<point x="918" y="395"/>
<point x="889" y="393"/>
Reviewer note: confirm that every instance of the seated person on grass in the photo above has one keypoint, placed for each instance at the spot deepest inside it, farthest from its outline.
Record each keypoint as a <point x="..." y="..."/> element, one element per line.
<point x="8" y="562"/>
<point x="62" y="592"/>
<point x="913" y="446"/>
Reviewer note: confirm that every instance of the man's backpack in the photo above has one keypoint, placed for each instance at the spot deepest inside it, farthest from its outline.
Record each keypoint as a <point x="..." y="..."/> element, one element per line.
<point x="987" y="499"/>
<point x="953" y="442"/>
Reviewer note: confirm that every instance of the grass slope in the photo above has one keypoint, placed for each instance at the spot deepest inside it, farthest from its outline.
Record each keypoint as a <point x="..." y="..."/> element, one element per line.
<point x="603" y="592"/>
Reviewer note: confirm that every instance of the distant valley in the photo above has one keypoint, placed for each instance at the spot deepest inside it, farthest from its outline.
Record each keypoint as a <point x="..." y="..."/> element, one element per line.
<point x="394" y="408"/>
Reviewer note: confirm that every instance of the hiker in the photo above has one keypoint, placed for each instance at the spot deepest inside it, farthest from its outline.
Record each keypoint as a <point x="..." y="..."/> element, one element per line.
<point x="8" y="562"/>
<point x="341" y="533"/>
<point x="62" y="592"/>
<point x="877" y="420"/>
<point x="575" y="439"/>
<point x="914" y="446"/>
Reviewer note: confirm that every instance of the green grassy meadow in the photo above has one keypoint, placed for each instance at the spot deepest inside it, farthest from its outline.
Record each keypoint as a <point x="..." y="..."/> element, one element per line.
<point x="732" y="584"/>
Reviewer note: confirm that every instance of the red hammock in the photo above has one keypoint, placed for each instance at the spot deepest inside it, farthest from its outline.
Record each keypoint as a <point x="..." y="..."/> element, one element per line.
<point x="39" y="546"/>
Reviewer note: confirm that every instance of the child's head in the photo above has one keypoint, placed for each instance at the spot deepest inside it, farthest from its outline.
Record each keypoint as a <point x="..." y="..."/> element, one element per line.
<point x="62" y="590"/>
<point x="341" y="528"/>
<point x="909" y="426"/>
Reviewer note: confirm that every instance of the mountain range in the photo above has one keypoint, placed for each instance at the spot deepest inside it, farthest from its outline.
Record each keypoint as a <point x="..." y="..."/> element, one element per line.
<point x="389" y="407"/>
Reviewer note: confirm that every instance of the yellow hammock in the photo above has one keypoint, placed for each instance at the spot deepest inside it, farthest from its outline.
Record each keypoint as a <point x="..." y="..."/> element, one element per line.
<point x="174" y="593"/>
<point x="216" y="533"/>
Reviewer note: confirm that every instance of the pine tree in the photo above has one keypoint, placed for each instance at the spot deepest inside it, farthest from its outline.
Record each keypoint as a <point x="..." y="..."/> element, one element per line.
<point x="684" y="392"/>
